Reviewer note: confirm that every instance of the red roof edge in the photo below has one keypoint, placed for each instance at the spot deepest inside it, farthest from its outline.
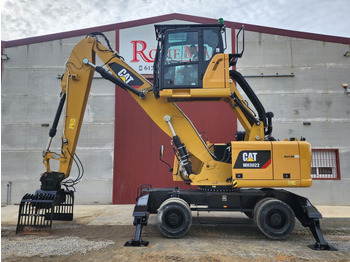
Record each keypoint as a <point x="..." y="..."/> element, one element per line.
<point x="173" y="16"/>
<point x="3" y="45"/>
<point x="290" y="33"/>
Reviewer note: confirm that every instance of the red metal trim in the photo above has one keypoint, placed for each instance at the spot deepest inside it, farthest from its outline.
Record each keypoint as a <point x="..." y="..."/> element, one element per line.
<point x="3" y="45"/>
<point x="233" y="43"/>
<point x="105" y="28"/>
<point x="233" y="39"/>
<point x="336" y="150"/>
<point x="290" y="33"/>
<point x="162" y="18"/>
<point x="117" y="40"/>
<point x="338" y="163"/>
<point x="177" y="16"/>
<point x="115" y="183"/>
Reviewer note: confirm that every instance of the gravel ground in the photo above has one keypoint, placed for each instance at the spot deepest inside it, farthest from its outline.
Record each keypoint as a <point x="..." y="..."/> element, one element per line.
<point x="238" y="241"/>
<point x="31" y="246"/>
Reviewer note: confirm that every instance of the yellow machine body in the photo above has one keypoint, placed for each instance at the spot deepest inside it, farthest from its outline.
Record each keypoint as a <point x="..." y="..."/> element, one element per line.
<point x="289" y="162"/>
<point x="190" y="65"/>
<point x="271" y="164"/>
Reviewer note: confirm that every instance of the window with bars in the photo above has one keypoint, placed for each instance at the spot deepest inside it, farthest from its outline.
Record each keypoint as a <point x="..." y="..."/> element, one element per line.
<point x="325" y="164"/>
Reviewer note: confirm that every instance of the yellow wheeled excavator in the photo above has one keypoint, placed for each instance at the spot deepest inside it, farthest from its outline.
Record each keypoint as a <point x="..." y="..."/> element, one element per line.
<point x="190" y="65"/>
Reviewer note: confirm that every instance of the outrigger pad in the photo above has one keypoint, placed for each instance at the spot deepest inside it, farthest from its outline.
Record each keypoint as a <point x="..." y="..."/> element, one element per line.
<point x="318" y="246"/>
<point x="321" y="244"/>
<point x="36" y="211"/>
<point x="133" y="243"/>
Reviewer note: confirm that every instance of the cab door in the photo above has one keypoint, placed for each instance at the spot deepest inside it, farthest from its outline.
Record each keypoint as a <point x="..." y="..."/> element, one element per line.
<point x="186" y="55"/>
<point x="180" y="60"/>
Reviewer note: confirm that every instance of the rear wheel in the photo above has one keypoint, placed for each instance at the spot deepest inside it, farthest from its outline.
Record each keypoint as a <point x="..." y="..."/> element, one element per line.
<point x="274" y="218"/>
<point x="174" y="218"/>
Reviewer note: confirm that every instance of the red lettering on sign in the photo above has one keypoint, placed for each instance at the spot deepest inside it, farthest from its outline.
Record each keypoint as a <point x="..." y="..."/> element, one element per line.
<point x="140" y="52"/>
<point x="151" y="56"/>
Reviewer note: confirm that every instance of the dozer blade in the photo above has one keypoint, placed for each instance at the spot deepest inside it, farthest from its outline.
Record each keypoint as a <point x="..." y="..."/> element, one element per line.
<point x="37" y="211"/>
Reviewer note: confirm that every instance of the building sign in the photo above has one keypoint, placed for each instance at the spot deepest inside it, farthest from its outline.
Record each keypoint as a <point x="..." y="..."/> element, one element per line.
<point x="138" y="46"/>
<point x="140" y="52"/>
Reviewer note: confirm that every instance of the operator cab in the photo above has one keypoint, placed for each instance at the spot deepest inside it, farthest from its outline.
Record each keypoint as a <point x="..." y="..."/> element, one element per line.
<point x="190" y="62"/>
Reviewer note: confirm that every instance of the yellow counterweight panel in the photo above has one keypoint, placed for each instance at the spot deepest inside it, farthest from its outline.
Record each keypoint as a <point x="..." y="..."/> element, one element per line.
<point x="286" y="160"/>
<point x="252" y="160"/>
<point x="305" y="163"/>
<point x="271" y="164"/>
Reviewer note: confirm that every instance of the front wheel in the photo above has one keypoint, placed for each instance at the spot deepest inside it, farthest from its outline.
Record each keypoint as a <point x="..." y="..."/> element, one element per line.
<point x="274" y="218"/>
<point x="174" y="218"/>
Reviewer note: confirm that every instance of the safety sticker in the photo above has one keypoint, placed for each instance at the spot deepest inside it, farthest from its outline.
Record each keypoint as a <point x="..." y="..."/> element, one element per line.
<point x="72" y="123"/>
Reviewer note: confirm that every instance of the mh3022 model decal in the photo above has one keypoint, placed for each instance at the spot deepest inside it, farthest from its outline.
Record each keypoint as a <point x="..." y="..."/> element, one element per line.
<point x="255" y="159"/>
<point x="125" y="74"/>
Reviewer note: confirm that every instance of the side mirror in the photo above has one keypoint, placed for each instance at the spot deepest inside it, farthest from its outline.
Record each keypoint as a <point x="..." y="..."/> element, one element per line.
<point x="161" y="152"/>
<point x="243" y="40"/>
<point x="234" y="57"/>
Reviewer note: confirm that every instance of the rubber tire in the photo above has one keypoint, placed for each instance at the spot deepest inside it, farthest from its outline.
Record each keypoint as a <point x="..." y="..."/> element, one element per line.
<point x="258" y="204"/>
<point x="275" y="219"/>
<point x="174" y="218"/>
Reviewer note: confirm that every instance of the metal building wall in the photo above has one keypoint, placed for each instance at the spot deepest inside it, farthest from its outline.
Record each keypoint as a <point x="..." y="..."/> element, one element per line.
<point x="30" y="95"/>
<point x="118" y="158"/>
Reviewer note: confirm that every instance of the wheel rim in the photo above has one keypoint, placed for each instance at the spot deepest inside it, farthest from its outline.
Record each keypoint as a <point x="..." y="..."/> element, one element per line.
<point x="173" y="219"/>
<point x="276" y="219"/>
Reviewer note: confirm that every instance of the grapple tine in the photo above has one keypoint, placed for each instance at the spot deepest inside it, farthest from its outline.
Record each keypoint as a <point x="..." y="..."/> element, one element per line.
<point x="36" y="211"/>
<point x="64" y="210"/>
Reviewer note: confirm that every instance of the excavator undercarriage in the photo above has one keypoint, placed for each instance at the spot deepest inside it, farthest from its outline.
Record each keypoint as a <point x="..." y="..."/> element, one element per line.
<point x="273" y="210"/>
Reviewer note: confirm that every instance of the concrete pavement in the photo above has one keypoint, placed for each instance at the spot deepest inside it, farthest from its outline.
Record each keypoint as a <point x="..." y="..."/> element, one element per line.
<point x="95" y="215"/>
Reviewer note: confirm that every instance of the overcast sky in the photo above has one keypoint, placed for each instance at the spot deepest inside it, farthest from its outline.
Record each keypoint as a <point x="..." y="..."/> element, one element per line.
<point x="28" y="18"/>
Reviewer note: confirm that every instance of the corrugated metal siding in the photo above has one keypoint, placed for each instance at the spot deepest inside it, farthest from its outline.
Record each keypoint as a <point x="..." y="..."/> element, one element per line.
<point x="138" y="139"/>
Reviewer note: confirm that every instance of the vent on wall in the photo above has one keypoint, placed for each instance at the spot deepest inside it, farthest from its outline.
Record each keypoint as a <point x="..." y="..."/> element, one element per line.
<point x="325" y="164"/>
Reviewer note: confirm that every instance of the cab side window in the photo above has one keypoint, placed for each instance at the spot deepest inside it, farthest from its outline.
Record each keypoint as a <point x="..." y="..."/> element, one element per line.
<point x="211" y="45"/>
<point x="181" y="60"/>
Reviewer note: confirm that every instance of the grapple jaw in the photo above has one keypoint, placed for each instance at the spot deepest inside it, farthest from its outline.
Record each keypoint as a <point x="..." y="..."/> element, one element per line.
<point x="37" y="211"/>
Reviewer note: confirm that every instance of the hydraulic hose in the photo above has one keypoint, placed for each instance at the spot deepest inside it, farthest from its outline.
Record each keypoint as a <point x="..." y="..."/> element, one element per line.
<point x="250" y="93"/>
